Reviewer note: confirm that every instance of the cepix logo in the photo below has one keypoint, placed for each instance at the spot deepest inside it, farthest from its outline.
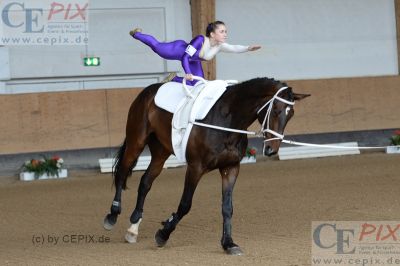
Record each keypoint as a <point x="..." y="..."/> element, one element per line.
<point x="45" y="22"/>
<point x="355" y="240"/>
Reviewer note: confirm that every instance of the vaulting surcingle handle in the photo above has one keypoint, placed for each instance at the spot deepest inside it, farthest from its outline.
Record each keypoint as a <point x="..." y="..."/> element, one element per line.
<point x="188" y="93"/>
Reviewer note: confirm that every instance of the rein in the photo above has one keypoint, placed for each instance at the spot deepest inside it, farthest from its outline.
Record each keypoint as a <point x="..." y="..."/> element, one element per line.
<point x="292" y="142"/>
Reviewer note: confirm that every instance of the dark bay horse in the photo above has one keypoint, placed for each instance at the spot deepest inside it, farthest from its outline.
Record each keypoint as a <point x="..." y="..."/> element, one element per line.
<point x="207" y="148"/>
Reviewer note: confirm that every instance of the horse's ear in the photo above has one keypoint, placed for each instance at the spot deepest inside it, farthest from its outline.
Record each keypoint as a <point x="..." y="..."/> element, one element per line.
<point x="299" y="96"/>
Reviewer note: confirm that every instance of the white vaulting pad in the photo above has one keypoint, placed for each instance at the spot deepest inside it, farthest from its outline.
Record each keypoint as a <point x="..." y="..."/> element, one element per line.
<point x="186" y="110"/>
<point x="182" y="123"/>
<point x="170" y="94"/>
<point x="208" y="96"/>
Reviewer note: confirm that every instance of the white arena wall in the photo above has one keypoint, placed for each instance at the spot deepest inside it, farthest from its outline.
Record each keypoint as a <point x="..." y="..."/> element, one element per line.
<point x="125" y="62"/>
<point x="310" y="39"/>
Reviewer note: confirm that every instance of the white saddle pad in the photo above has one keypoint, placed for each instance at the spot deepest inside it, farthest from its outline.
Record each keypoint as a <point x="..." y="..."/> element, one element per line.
<point x="170" y="94"/>
<point x="172" y="98"/>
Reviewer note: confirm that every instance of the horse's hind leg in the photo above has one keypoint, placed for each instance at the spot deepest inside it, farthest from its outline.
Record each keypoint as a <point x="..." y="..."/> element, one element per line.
<point x="126" y="160"/>
<point x="158" y="157"/>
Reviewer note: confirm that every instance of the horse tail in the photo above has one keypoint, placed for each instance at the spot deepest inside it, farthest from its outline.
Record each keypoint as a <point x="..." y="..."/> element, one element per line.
<point x="120" y="178"/>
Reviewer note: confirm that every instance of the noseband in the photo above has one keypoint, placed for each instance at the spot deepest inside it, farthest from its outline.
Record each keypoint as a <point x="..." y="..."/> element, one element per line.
<point x="268" y="115"/>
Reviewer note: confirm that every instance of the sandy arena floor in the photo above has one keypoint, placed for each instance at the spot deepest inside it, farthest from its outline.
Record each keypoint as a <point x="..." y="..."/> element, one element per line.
<point x="274" y="204"/>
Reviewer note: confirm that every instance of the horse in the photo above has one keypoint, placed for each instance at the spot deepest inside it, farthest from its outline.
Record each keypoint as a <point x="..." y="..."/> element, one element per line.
<point x="267" y="100"/>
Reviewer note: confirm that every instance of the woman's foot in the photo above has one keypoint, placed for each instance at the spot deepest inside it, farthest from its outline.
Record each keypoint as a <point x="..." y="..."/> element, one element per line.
<point x="132" y="32"/>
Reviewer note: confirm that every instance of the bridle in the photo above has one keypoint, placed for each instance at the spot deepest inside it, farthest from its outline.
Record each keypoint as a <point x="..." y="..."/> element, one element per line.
<point x="267" y="116"/>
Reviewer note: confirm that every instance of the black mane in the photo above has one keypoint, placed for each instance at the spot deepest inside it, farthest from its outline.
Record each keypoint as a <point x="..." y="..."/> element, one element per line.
<point x="257" y="87"/>
<point x="258" y="81"/>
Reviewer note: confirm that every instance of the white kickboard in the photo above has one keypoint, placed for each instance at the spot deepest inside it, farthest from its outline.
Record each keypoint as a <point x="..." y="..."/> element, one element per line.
<point x="143" y="162"/>
<point x="300" y="152"/>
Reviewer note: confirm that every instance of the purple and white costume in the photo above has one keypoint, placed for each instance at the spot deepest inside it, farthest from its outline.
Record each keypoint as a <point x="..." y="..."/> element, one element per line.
<point x="190" y="54"/>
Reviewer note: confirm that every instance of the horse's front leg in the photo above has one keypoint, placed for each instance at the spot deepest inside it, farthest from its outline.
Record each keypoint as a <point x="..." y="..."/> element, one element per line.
<point x="229" y="175"/>
<point x="193" y="175"/>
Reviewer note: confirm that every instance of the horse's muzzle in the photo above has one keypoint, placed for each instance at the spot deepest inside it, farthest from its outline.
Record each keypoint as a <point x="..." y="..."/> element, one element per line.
<point x="269" y="151"/>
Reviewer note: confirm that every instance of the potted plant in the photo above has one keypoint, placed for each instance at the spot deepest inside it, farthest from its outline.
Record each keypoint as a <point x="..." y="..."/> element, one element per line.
<point x="395" y="142"/>
<point x="250" y="156"/>
<point x="44" y="168"/>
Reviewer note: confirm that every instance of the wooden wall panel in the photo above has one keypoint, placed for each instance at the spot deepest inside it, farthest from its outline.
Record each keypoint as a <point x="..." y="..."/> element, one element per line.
<point x="397" y="13"/>
<point x="351" y="104"/>
<point x="118" y="104"/>
<point x="52" y="121"/>
<point x="203" y="12"/>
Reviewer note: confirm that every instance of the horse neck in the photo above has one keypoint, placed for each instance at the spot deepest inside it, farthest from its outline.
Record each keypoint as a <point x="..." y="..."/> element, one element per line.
<point x="247" y="98"/>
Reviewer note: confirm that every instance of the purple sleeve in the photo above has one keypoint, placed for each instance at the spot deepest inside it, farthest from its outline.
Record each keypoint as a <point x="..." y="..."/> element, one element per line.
<point x="196" y="43"/>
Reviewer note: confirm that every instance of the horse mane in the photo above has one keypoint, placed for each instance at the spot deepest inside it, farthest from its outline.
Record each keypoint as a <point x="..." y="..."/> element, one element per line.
<point x="257" y="86"/>
<point x="257" y="81"/>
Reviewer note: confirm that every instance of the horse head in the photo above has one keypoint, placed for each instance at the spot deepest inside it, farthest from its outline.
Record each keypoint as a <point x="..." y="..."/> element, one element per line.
<point x="274" y="116"/>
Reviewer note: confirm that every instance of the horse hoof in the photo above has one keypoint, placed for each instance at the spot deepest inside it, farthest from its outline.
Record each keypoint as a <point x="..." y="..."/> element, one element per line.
<point x="130" y="237"/>
<point x="108" y="224"/>
<point x="235" y="251"/>
<point x="159" y="239"/>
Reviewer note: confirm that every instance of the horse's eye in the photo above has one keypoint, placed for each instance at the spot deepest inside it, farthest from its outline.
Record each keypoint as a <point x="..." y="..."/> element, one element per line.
<point x="287" y="110"/>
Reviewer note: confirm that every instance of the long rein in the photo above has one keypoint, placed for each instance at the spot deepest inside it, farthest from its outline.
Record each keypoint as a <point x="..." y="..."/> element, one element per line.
<point x="262" y="131"/>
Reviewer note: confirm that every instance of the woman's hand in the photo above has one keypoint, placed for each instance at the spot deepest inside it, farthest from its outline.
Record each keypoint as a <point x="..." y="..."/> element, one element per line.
<point x="189" y="77"/>
<point x="254" y="47"/>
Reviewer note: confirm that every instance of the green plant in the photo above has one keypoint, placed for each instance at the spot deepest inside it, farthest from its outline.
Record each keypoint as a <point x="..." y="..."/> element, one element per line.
<point x="251" y="152"/>
<point x="395" y="139"/>
<point x="49" y="166"/>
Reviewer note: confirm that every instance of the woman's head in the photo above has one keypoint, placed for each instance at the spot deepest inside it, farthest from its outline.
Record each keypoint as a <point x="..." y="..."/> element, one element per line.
<point x="217" y="31"/>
